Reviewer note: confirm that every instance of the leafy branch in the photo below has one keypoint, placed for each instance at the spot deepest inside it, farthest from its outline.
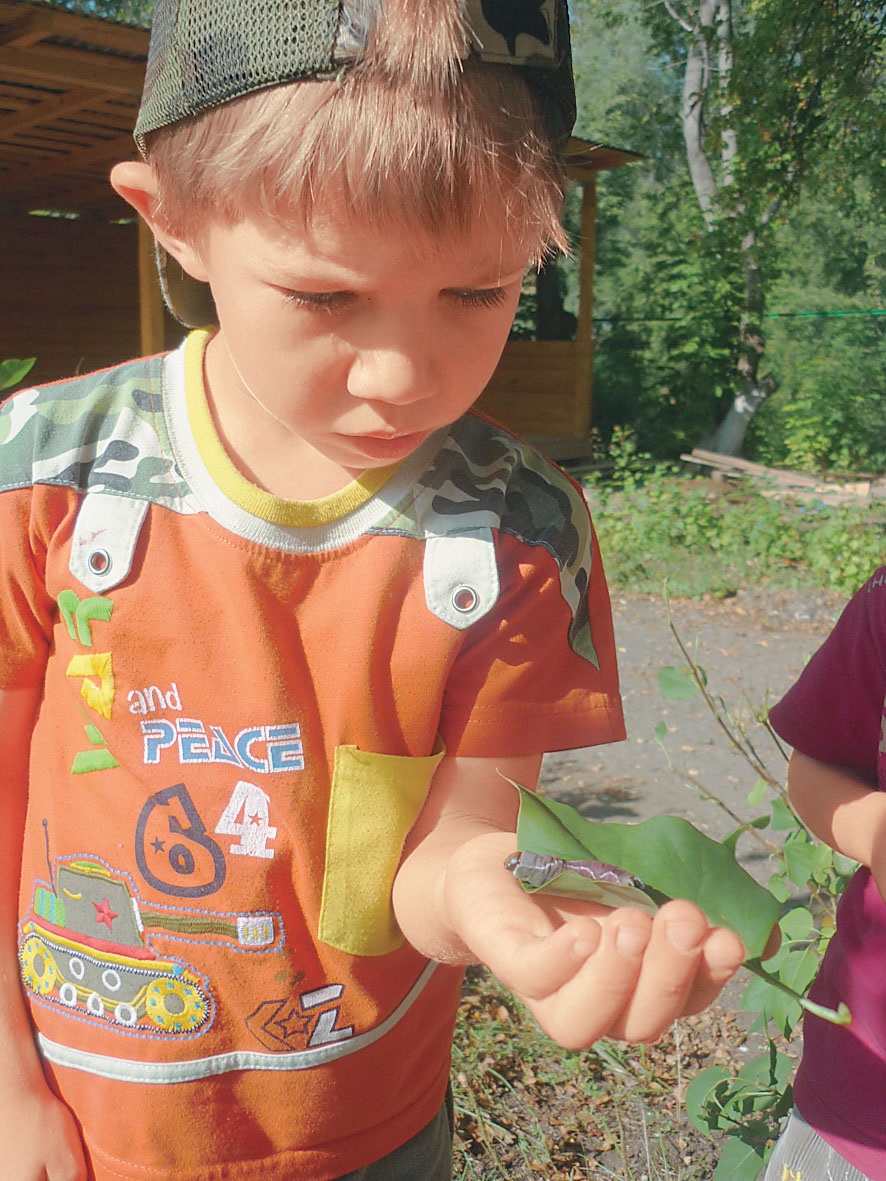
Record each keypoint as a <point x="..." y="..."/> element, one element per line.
<point x="750" y="1105"/>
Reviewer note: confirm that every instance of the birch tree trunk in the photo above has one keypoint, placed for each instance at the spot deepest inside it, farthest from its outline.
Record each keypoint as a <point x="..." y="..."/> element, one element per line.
<point x="728" y="438"/>
<point x="708" y="72"/>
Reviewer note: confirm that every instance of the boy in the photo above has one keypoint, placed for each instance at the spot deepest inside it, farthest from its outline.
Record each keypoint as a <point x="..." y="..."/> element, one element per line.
<point x="279" y="613"/>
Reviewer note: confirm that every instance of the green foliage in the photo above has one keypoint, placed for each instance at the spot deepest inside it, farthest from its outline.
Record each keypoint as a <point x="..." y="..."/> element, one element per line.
<point x="830" y="409"/>
<point x="14" y="371"/>
<point x="655" y="523"/>
<point x="135" y="12"/>
<point x="667" y="313"/>
<point x="750" y="1105"/>
<point x="806" y="98"/>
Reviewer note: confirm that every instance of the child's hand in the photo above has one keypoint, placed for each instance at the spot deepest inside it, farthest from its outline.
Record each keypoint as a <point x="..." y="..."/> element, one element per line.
<point x="583" y="970"/>
<point x="40" y="1137"/>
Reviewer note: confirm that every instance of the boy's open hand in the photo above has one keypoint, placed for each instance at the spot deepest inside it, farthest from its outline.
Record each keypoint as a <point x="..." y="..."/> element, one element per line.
<point x="586" y="971"/>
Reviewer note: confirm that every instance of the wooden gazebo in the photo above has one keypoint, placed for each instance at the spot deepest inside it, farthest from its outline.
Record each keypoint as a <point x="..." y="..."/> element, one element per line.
<point x="77" y="282"/>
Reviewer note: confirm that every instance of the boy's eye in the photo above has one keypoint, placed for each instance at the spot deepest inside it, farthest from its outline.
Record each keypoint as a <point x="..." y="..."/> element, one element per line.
<point x="479" y="297"/>
<point x="319" y="301"/>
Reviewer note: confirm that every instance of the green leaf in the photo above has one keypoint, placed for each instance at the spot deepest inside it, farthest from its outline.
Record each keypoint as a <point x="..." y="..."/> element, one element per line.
<point x="844" y="866"/>
<point x="676" y="684"/>
<point x="774" y="1069"/>
<point x="731" y="841"/>
<point x="15" y="370"/>
<point x="757" y="792"/>
<point x="798" y="924"/>
<point x="782" y="816"/>
<point x="739" y="1161"/>
<point x="778" y="888"/>
<point x="803" y="858"/>
<point x="702" y="1103"/>
<point x="667" y="853"/>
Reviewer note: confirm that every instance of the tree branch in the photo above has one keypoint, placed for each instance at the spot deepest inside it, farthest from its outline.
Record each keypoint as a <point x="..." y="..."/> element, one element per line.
<point x="672" y="11"/>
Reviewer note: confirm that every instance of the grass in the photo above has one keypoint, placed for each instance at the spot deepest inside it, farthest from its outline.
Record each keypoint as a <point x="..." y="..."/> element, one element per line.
<point x="712" y="538"/>
<point x="527" y="1109"/>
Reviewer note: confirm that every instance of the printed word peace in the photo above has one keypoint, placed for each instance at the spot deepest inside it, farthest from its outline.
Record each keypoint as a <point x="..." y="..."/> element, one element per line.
<point x="263" y="749"/>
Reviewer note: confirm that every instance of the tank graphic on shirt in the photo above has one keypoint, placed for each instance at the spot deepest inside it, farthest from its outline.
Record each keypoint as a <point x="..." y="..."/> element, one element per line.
<point x="84" y="947"/>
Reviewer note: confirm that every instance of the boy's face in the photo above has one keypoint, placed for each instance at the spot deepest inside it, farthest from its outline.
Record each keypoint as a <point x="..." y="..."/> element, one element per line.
<point x="359" y="341"/>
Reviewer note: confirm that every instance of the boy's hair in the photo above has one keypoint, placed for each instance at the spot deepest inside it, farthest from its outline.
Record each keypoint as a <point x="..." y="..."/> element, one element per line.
<point x="415" y="130"/>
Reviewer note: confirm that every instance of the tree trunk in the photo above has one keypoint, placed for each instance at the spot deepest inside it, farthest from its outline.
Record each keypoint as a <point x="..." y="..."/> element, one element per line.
<point x="728" y="438"/>
<point x="696" y="81"/>
<point x="712" y="27"/>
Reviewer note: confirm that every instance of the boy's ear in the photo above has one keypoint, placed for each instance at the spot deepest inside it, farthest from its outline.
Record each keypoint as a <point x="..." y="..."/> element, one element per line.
<point x="136" y="183"/>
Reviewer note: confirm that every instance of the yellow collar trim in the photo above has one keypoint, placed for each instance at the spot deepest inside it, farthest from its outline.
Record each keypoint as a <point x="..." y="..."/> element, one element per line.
<point x="234" y="484"/>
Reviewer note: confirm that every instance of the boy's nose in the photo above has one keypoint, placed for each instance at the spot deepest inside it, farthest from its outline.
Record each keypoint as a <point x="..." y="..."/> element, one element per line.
<point x="394" y="374"/>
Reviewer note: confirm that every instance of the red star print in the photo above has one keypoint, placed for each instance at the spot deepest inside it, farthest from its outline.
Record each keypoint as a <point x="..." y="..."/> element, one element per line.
<point x="104" y="914"/>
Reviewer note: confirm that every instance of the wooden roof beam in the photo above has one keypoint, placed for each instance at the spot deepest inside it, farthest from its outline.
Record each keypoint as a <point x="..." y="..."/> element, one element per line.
<point x="58" y="68"/>
<point x="48" y="109"/>
<point x="87" y="30"/>
<point x="120" y="147"/>
<point x="27" y="30"/>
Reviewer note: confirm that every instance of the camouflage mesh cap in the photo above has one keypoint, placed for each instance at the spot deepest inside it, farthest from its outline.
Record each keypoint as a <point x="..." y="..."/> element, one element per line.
<point x="206" y="52"/>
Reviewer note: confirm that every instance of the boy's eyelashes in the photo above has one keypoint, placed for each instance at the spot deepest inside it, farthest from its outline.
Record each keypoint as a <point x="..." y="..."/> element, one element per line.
<point x="320" y="301"/>
<point x="480" y="297"/>
<point x="330" y="301"/>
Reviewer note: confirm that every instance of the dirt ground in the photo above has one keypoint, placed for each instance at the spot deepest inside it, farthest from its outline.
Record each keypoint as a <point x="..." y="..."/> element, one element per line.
<point x="752" y="647"/>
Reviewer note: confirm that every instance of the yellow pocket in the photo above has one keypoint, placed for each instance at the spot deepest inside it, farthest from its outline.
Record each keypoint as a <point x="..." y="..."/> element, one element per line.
<point x="374" y="802"/>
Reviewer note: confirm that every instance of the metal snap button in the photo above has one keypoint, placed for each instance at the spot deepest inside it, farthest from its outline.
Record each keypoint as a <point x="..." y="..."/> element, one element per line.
<point x="465" y="599"/>
<point x="99" y="562"/>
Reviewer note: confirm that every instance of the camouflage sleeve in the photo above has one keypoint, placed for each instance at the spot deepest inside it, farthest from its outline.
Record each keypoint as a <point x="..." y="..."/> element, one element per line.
<point x="25" y="606"/>
<point x="540" y="672"/>
<point x="26" y="609"/>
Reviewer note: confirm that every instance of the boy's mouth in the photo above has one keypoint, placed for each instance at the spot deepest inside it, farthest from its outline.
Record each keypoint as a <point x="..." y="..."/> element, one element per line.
<point x="388" y="445"/>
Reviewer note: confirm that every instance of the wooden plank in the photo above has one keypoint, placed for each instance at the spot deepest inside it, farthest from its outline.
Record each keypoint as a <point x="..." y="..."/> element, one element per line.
<point x="747" y="467"/>
<point x="119" y="147"/>
<point x="51" y="108"/>
<point x="782" y="482"/>
<point x="73" y="68"/>
<point x="27" y="30"/>
<point x="585" y="157"/>
<point x="98" y="32"/>
<point x="70" y="296"/>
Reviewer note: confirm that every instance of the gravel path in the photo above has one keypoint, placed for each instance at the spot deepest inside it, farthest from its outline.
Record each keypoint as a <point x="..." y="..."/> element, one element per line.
<point x="752" y="648"/>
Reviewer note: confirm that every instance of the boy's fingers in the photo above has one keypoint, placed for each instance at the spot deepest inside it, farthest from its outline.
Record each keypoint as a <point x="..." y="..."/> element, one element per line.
<point x="685" y="966"/>
<point x="535" y="966"/>
<point x="722" y="955"/>
<point x="590" y="1003"/>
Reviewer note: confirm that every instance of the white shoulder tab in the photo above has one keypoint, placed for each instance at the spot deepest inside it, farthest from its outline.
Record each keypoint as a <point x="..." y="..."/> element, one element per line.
<point x="105" y="538"/>
<point x="461" y="576"/>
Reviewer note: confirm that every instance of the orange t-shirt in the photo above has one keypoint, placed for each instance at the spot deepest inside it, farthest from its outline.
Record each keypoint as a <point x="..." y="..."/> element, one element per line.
<point x="244" y="703"/>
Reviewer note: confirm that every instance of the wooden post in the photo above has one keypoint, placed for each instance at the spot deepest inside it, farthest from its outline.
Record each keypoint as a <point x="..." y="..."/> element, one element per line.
<point x="150" y="298"/>
<point x="584" y="336"/>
